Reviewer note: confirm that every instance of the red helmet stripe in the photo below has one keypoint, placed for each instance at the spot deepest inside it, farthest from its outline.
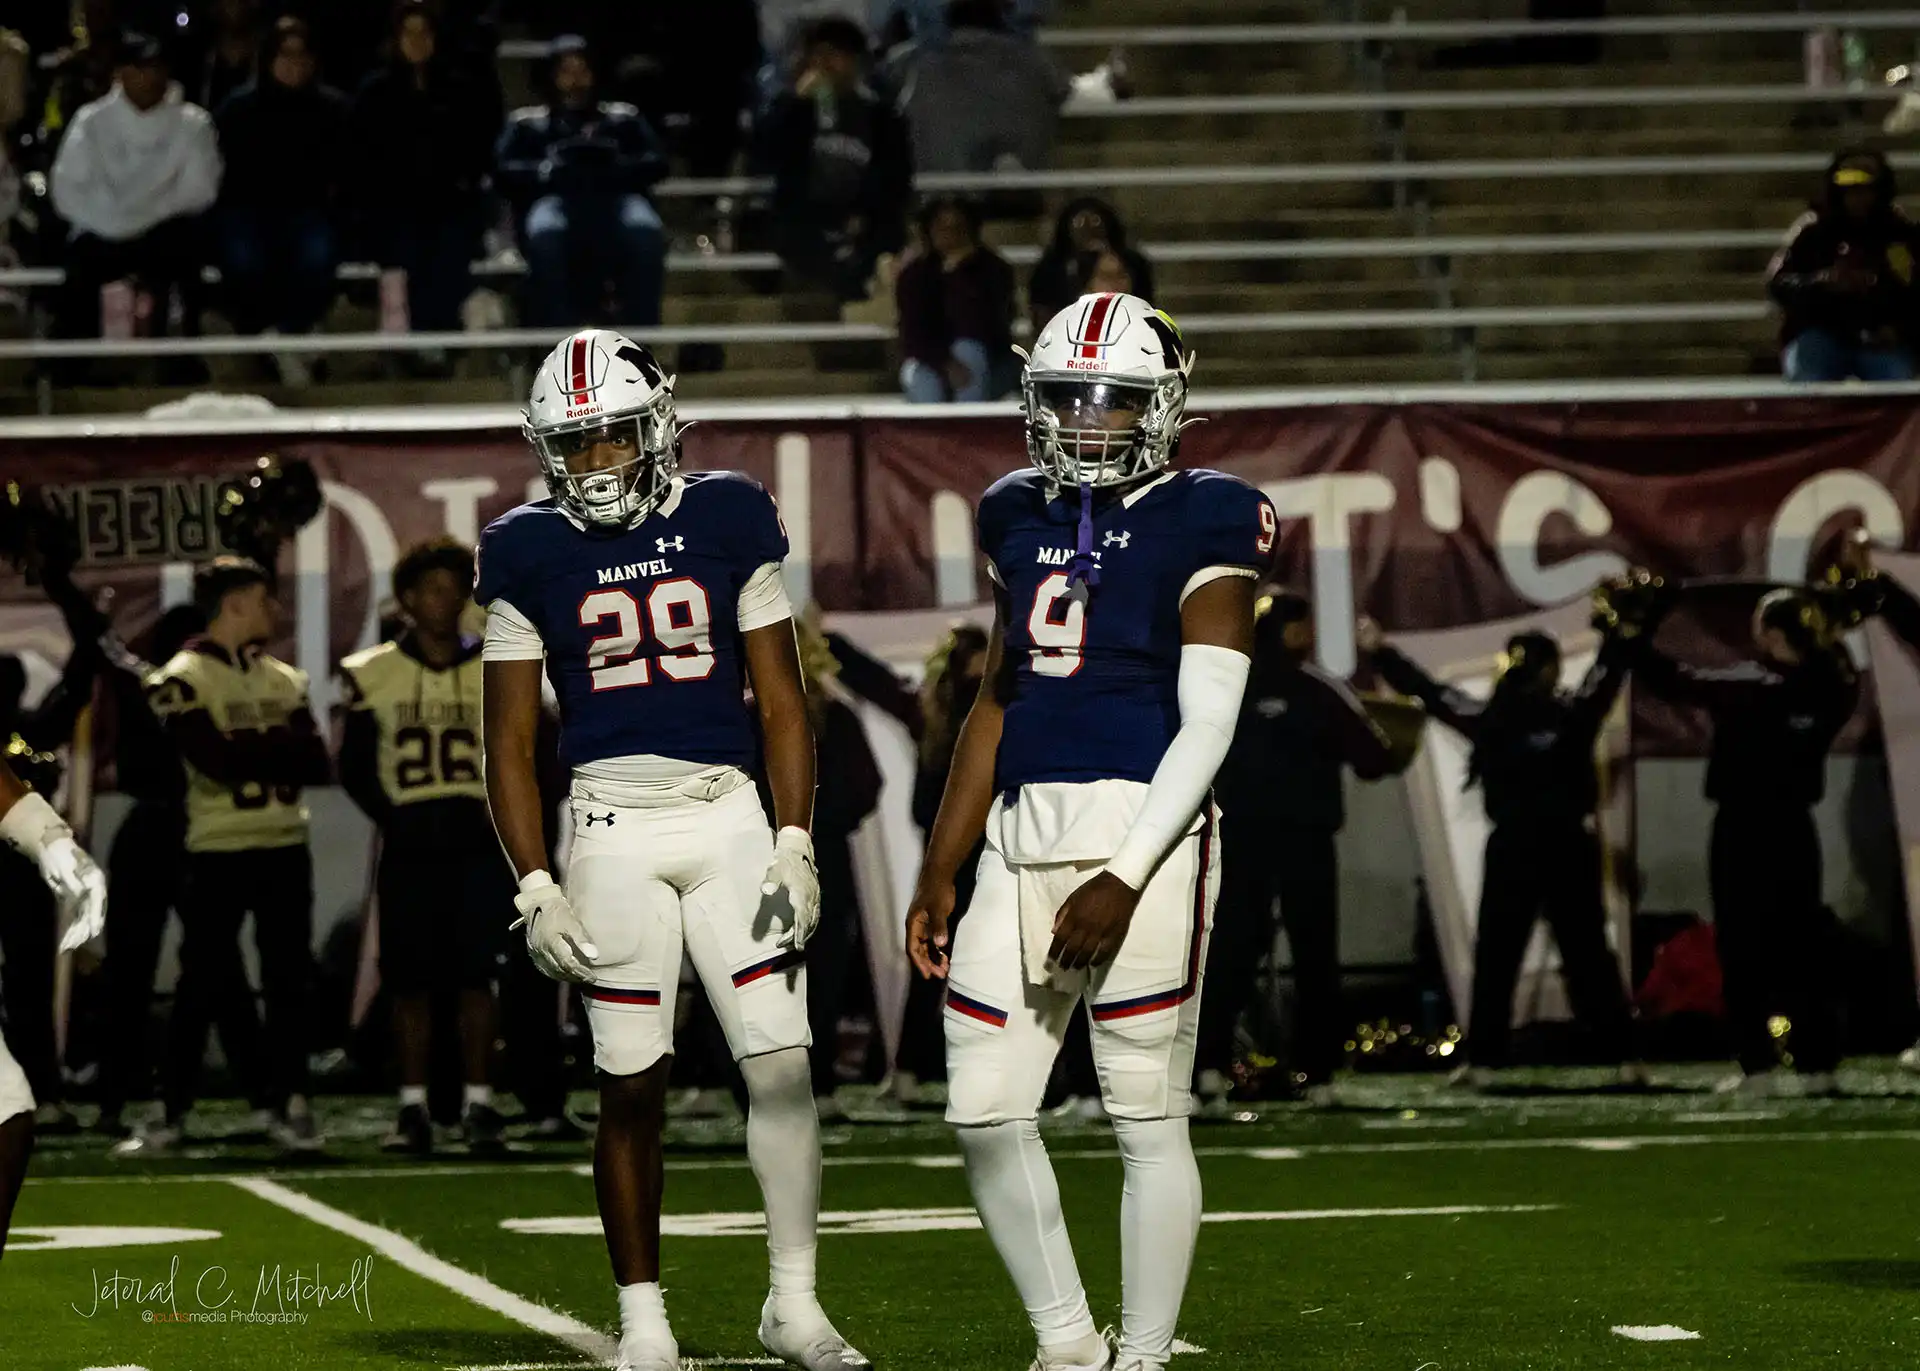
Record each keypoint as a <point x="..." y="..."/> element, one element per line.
<point x="580" y="371"/>
<point x="1096" y="328"/>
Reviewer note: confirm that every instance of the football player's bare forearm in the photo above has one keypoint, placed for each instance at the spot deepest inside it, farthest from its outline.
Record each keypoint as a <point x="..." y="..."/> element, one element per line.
<point x="513" y="797"/>
<point x="779" y="692"/>
<point x="968" y="798"/>
<point x="512" y="722"/>
<point x="790" y="770"/>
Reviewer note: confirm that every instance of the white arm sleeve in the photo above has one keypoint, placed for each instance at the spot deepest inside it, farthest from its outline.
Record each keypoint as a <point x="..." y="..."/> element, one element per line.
<point x="511" y="637"/>
<point x="1212" y="680"/>
<point x="763" y="599"/>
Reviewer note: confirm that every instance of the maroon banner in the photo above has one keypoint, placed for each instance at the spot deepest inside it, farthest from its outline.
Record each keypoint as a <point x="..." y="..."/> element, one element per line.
<point x="146" y="504"/>
<point x="1426" y="516"/>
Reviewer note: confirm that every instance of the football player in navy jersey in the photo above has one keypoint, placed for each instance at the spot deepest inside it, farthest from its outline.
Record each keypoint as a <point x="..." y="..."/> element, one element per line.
<point x="653" y="600"/>
<point x="1123" y="629"/>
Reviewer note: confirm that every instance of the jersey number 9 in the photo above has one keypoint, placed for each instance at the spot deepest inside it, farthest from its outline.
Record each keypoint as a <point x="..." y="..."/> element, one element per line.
<point x="680" y="617"/>
<point x="1058" y="626"/>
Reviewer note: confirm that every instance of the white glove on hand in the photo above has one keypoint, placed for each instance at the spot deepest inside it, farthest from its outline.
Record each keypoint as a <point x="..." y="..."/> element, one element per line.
<point x="793" y="871"/>
<point x="77" y="885"/>
<point x="81" y="890"/>
<point x="556" y="939"/>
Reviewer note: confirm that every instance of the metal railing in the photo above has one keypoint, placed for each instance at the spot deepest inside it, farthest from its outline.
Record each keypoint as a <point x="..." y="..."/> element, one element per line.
<point x="1516" y="98"/>
<point x="1320" y="173"/>
<point x="1423" y="30"/>
<point x="1209" y="250"/>
<point x="1290" y="321"/>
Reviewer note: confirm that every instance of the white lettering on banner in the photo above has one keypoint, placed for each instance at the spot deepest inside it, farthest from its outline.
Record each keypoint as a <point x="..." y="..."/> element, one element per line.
<point x="793" y="488"/>
<point x="1815" y="501"/>
<point x="460" y="497"/>
<point x="953" y="558"/>
<point x="313" y="567"/>
<point x="1328" y="502"/>
<point x="1440" y="494"/>
<point x="1534" y="498"/>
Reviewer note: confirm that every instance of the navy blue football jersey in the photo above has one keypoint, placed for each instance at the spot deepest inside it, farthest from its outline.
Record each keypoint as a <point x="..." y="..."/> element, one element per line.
<point x="1097" y="671"/>
<point x="641" y="628"/>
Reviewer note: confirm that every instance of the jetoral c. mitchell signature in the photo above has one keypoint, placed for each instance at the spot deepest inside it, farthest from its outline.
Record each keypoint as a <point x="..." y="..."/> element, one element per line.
<point x="276" y="1289"/>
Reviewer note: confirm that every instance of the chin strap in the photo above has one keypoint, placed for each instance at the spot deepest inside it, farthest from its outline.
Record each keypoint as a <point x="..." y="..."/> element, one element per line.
<point x="1083" y="573"/>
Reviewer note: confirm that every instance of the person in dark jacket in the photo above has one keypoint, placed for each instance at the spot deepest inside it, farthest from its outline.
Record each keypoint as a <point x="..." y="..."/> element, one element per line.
<point x="932" y="717"/>
<point x="578" y="171"/>
<point x="146" y="868"/>
<point x="842" y="169"/>
<point x="1533" y="758"/>
<point x="849" y="791"/>
<point x="1086" y="225"/>
<point x="283" y="138"/>
<point x="424" y="127"/>
<point x="1281" y="801"/>
<point x="1774" y="721"/>
<point x="1844" y="279"/>
<point x="956" y="311"/>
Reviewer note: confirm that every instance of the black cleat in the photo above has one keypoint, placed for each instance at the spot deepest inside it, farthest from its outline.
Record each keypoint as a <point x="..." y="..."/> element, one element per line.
<point x="412" y="1132"/>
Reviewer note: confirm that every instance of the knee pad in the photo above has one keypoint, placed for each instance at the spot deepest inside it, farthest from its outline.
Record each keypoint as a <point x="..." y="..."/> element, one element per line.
<point x="16" y="1097"/>
<point x="778" y="1078"/>
<point x="1133" y="1058"/>
<point x="625" y="1041"/>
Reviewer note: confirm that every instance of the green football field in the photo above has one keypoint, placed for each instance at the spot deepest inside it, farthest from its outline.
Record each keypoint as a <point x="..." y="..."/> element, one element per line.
<point x="1413" y="1228"/>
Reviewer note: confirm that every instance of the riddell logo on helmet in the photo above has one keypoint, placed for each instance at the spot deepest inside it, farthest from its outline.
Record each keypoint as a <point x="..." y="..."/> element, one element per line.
<point x="577" y="413"/>
<point x="1075" y="364"/>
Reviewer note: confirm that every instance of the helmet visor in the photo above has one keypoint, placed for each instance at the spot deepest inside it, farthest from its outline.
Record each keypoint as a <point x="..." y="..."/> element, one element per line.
<point x="1094" y="406"/>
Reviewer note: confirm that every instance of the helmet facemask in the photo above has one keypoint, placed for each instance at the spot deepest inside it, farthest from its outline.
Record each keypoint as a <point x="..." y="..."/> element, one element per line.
<point x="1101" y="430"/>
<point x="611" y="471"/>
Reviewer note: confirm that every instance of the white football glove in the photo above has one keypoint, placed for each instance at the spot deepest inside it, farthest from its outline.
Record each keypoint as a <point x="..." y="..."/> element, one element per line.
<point x="556" y="939"/>
<point x="81" y="890"/>
<point x="792" y="870"/>
<point x="77" y="885"/>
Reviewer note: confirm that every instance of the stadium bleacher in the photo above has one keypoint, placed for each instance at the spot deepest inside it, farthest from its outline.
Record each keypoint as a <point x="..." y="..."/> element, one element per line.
<point x="1326" y="202"/>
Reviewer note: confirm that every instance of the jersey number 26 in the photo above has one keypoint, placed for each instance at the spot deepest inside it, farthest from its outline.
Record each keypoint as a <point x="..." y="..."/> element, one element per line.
<point x="680" y="617"/>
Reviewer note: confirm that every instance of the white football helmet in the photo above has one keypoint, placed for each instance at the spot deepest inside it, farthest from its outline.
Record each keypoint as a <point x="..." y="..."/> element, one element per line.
<point x="599" y="391"/>
<point x="1104" y="388"/>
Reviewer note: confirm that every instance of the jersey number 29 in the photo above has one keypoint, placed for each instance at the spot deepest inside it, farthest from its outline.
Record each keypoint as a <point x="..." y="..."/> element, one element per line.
<point x="680" y="617"/>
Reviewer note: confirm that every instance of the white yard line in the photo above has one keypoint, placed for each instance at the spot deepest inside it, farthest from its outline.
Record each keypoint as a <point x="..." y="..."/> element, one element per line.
<point x="1292" y="1152"/>
<point x="410" y="1256"/>
<point x="1658" y="1332"/>
<point x="1437" y="1211"/>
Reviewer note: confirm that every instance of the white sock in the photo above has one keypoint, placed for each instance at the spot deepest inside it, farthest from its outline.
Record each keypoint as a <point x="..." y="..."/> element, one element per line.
<point x="1159" y="1225"/>
<point x="413" y="1094"/>
<point x="643" y="1315"/>
<point x="480" y="1095"/>
<point x="783" y="1147"/>
<point x="1019" y="1203"/>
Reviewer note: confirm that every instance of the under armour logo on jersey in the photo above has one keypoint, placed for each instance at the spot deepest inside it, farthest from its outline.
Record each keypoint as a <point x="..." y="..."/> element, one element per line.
<point x="593" y="819"/>
<point x="678" y="544"/>
<point x="1115" y="539"/>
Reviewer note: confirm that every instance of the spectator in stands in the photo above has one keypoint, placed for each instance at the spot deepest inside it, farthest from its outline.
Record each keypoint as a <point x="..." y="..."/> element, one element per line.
<point x="1086" y="225"/>
<point x="840" y="163"/>
<point x="136" y="172"/>
<point x="579" y="170"/>
<point x="423" y="130"/>
<point x="1844" y="279"/>
<point x="690" y="82"/>
<point x="226" y="62"/>
<point x="984" y="99"/>
<point x="956" y="311"/>
<point x="283" y="137"/>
